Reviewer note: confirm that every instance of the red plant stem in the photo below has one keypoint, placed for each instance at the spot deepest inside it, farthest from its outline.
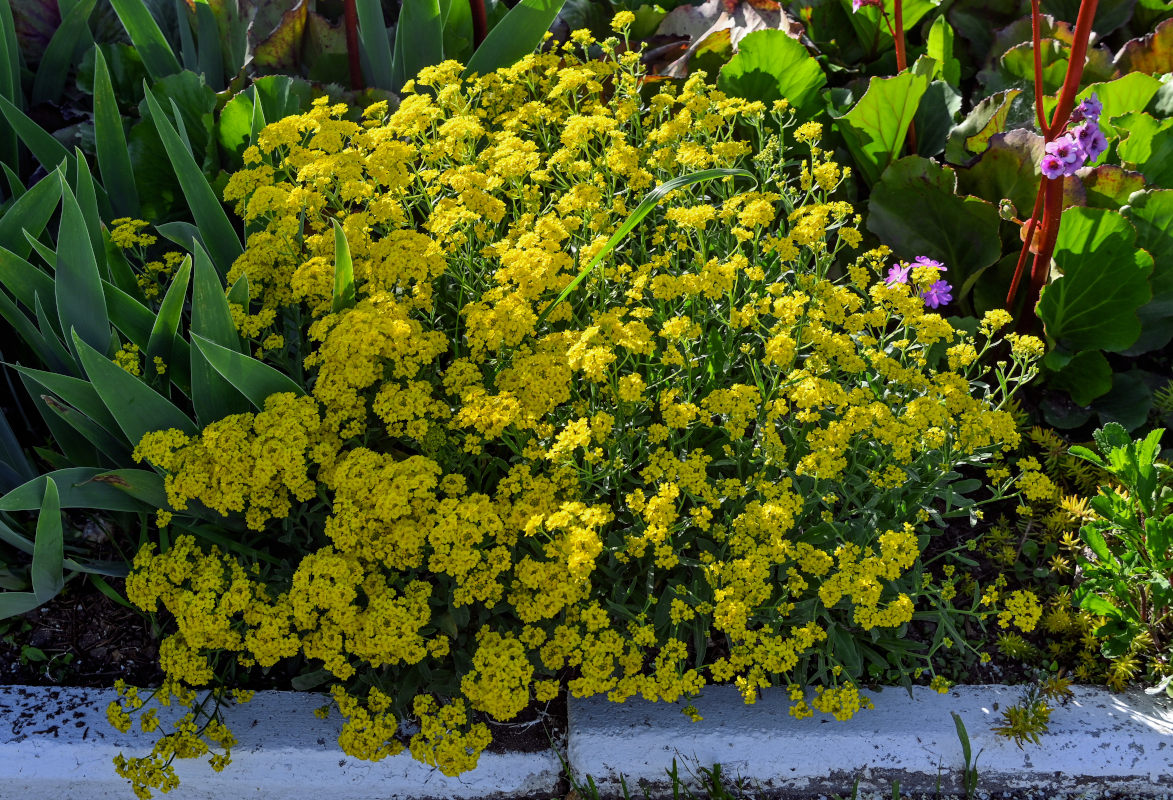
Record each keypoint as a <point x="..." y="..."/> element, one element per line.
<point x="350" y="22"/>
<point x="1037" y="43"/>
<point x="1051" y="190"/>
<point x="1083" y="33"/>
<point x="1031" y="226"/>
<point x="902" y="60"/>
<point x="479" y="24"/>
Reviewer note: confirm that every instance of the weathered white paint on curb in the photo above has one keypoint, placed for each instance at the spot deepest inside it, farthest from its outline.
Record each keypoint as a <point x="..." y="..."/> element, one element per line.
<point x="1098" y="742"/>
<point x="55" y="744"/>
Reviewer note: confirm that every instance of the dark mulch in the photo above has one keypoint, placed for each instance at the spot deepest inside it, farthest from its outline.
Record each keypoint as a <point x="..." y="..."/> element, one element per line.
<point x="80" y="638"/>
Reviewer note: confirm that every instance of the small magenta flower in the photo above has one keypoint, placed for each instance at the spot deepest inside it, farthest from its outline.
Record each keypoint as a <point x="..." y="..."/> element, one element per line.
<point x="899" y="273"/>
<point x="1091" y="139"/>
<point x="938" y="294"/>
<point x="1052" y="167"/>
<point x="1066" y="148"/>
<point x="1089" y="109"/>
<point x="856" y="5"/>
<point x="925" y="261"/>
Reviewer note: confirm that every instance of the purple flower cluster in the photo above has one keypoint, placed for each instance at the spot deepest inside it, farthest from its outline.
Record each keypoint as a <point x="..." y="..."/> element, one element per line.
<point x="936" y="295"/>
<point x="856" y="5"/>
<point x="1081" y="144"/>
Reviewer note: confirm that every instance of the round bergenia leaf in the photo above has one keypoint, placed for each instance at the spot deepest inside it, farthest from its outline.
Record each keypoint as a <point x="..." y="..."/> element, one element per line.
<point x="915" y="210"/>
<point x="770" y="66"/>
<point x="1151" y="213"/>
<point x="1105" y="279"/>
<point x="1152" y="54"/>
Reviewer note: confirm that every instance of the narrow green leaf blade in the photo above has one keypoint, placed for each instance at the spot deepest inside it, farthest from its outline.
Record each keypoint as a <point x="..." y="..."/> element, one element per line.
<point x="514" y="37"/>
<point x="81" y="305"/>
<point x="136" y="407"/>
<point x="419" y="39"/>
<point x="376" y="46"/>
<point x="215" y="228"/>
<point x="212" y="396"/>
<point x="48" y="547"/>
<point x="343" y="271"/>
<point x="58" y="56"/>
<point x="45" y="149"/>
<point x="77" y="488"/>
<point x="252" y="378"/>
<point x="31" y="212"/>
<point x="148" y="40"/>
<point x="163" y="333"/>
<point x="110" y="143"/>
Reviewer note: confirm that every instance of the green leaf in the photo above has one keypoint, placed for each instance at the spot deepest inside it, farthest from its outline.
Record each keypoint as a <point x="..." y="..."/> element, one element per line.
<point x="164" y="332"/>
<point x="515" y="36"/>
<point x="129" y="316"/>
<point x="48" y="547"/>
<point x="1099" y="606"/>
<point x="152" y="46"/>
<point x="770" y="66"/>
<point x="1085" y="377"/>
<point x="31" y="212"/>
<point x="215" y="228"/>
<point x="81" y="305"/>
<point x="13" y="604"/>
<point x="934" y="118"/>
<point x="1151" y="54"/>
<point x="343" y="271"/>
<point x="1151" y="213"/>
<point x="1148" y="148"/>
<point x="110" y="143"/>
<point x="1104" y="281"/>
<point x="1129" y="402"/>
<point x="78" y="393"/>
<point x="45" y="149"/>
<point x="252" y="378"/>
<point x="77" y="489"/>
<point x="213" y="397"/>
<point x="87" y="199"/>
<point x="102" y="440"/>
<point x="62" y="52"/>
<point x="9" y="83"/>
<point x="281" y="49"/>
<point x="419" y="40"/>
<point x="136" y="407"/>
<point x="376" y="46"/>
<point x="1109" y="186"/>
<point x="987" y="118"/>
<point x="211" y="55"/>
<point x="915" y="210"/>
<point x="875" y="128"/>
<point x="143" y="485"/>
<point x="634" y="218"/>
<point x="1132" y="92"/>
<point x="940" y="49"/>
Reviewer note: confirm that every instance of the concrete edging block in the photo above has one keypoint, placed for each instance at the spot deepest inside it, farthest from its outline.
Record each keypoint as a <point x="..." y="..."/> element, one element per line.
<point x="1098" y="742"/>
<point x="55" y="744"/>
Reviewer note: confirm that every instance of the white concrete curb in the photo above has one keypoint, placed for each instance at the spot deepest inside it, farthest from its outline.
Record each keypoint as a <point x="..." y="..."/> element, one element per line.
<point x="55" y="744"/>
<point x="1098" y="742"/>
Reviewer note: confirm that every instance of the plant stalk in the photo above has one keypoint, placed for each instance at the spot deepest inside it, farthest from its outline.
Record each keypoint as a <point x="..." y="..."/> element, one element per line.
<point x="350" y="22"/>
<point x="479" y="23"/>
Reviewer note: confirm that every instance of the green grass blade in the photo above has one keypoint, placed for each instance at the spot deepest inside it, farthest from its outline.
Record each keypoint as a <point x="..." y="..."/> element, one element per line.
<point x="216" y="230"/>
<point x="161" y="343"/>
<point x="148" y="40"/>
<point x="47" y="253"/>
<point x="254" y="379"/>
<point x="634" y="218"/>
<point x="515" y="36"/>
<point x="45" y="149"/>
<point x="51" y="338"/>
<point x="376" y="46"/>
<point x="343" y="271"/>
<point x="58" y="56"/>
<point x="419" y="40"/>
<point x="16" y="189"/>
<point x="24" y="280"/>
<point x="187" y="47"/>
<point x="81" y="305"/>
<point x="49" y="547"/>
<point x="110" y="143"/>
<point x="31" y="212"/>
<point x="136" y="407"/>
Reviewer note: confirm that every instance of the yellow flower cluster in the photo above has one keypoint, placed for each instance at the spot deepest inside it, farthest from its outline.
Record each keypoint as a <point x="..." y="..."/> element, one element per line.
<point x="493" y="489"/>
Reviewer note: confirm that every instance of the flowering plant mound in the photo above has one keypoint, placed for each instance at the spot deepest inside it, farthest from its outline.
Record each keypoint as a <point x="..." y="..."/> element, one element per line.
<point x="712" y="461"/>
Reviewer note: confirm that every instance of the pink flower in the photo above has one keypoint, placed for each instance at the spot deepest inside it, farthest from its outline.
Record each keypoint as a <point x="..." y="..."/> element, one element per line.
<point x="1052" y="167"/>
<point x="1091" y="139"/>
<point x="925" y="261"/>
<point x="856" y="5"/>
<point x="899" y="273"/>
<point x="1089" y="109"/>
<point x="1066" y="149"/>
<point x="938" y="294"/>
